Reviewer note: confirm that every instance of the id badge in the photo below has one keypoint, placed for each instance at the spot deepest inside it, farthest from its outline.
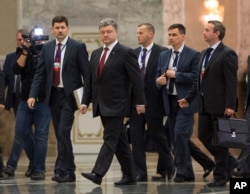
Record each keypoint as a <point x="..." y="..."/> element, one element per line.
<point x="56" y="65"/>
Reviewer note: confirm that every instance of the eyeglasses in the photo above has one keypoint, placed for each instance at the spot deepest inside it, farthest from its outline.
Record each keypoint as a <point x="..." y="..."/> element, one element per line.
<point x="19" y="39"/>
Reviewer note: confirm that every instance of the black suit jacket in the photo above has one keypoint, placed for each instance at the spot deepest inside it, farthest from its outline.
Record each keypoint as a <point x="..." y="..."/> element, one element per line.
<point x="248" y="83"/>
<point x="111" y="91"/>
<point x="1" y="87"/>
<point x="219" y="84"/>
<point x="154" y="100"/>
<point x="75" y="67"/>
<point x="9" y="78"/>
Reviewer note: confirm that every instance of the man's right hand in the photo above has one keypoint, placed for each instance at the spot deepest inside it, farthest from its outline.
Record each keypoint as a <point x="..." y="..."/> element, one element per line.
<point x="162" y="80"/>
<point x="31" y="103"/>
<point x="183" y="103"/>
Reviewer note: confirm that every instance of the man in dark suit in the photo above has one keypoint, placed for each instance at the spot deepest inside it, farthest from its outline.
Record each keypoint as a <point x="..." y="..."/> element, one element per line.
<point x="11" y="81"/>
<point x="153" y="118"/>
<point x="62" y="65"/>
<point x="176" y="71"/>
<point x="110" y="97"/>
<point x="2" y="174"/>
<point x="243" y="161"/>
<point x="216" y="90"/>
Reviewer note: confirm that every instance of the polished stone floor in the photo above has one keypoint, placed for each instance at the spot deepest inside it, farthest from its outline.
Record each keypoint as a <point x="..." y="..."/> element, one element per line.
<point x="19" y="184"/>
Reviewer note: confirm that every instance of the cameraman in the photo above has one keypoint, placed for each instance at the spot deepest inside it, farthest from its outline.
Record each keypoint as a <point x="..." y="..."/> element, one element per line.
<point x="34" y="142"/>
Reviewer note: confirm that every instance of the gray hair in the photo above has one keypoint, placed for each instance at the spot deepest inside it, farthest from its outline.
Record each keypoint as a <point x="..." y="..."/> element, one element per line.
<point x="107" y="22"/>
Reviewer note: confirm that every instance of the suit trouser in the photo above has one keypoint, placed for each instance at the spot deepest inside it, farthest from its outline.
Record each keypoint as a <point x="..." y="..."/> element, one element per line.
<point x="200" y="156"/>
<point x="62" y="116"/>
<point x="243" y="162"/>
<point x="196" y="152"/>
<point x="115" y="143"/>
<point x="223" y="160"/>
<point x="156" y="131"/>
<point x="181" y="128"/>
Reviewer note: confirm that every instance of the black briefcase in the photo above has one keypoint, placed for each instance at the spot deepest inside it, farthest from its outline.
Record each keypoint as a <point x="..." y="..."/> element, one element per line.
<point x="230" y="132"/>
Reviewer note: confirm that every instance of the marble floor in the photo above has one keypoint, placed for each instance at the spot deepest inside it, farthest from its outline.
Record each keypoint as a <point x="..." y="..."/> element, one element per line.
<point x="19" y="184"/>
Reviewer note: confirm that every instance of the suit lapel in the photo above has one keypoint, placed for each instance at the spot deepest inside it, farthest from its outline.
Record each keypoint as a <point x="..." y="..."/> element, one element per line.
<point x="51" y="52"/>
<point x="110" y="58"/>
<point x="216" y="52"/>
<point x="67" y="51"/>
<point x="182" y="58"/>
<point x="166" y="61"/>
<point x="97" y="60"/>
<point x="151" y="58"/>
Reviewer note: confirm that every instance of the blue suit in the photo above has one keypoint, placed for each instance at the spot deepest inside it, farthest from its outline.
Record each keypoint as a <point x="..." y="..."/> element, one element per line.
<point x="180" y="120"/>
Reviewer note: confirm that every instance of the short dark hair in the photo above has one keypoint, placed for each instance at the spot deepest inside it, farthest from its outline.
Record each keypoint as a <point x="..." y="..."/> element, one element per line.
<point x="150" y="27"/>
<point x="107" y="22"/>
<point x="60" y="19"/>
<point x="22" y="31"/>
<point x="218" y="26"/>
<point x="180" y="27"/>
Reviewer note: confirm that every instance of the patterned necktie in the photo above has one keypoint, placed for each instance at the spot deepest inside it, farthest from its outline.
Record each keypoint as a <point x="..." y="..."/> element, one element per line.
<point x="56" y="70"/>
<point x="172" y="80"/>
<point x="208" y="52"/>
<point x="143" y="60"/>
<point x="102" y="61"/>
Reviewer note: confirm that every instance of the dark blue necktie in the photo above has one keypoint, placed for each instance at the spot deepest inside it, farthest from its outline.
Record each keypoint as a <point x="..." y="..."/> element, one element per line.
<point x="172" y="80"/>
<point x="143" y="59"/>
<point x="207" y="56"/>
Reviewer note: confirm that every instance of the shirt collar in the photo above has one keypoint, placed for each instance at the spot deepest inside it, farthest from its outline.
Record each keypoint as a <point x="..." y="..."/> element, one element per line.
<point x="64" y="41"/>
<point x="149" y="47"/>
<point x="111" y="46"/>
<point x="215" y="45"/>
<point x="180" y="49"/>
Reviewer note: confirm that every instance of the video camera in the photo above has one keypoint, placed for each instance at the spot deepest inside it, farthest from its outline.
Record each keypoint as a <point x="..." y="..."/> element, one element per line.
<point x="36" y="38"/>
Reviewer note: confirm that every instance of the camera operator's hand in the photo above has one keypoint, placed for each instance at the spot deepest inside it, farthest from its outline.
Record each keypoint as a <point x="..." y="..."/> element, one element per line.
<point x="31" y="103"/>
<point x="25" y="52"/>
<point x="26" y="45"/>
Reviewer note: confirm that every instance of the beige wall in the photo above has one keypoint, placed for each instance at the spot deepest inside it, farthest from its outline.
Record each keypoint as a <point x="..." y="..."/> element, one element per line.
<point x="8" y="25"/>
<point x="194" y="10"/>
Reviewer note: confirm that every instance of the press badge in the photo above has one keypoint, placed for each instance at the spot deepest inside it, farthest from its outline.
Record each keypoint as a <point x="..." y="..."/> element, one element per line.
<point x="202" y="71"/>
<point x="56" y="65"/>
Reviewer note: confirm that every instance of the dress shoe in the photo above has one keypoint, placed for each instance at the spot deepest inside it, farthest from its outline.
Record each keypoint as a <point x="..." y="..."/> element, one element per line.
<point x="207" y="172"/>
<point x="240" y="173"/>
<point x="171" y="174"/>
<point x="57" y="177"/>
<point x="158" y="177"/>
<point x="182" y="179"/>
<point x="126" y="181"/>
<point x="3" y="175"/>
<point x="9" y="170"/>
<point x="217" y="183"/>
<point x="140" y="178"/>
<point x="71" y="177"/>
<point x="93" y="177"/>
<point x="29" y="171"/>
<point x="38" y="175"/>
